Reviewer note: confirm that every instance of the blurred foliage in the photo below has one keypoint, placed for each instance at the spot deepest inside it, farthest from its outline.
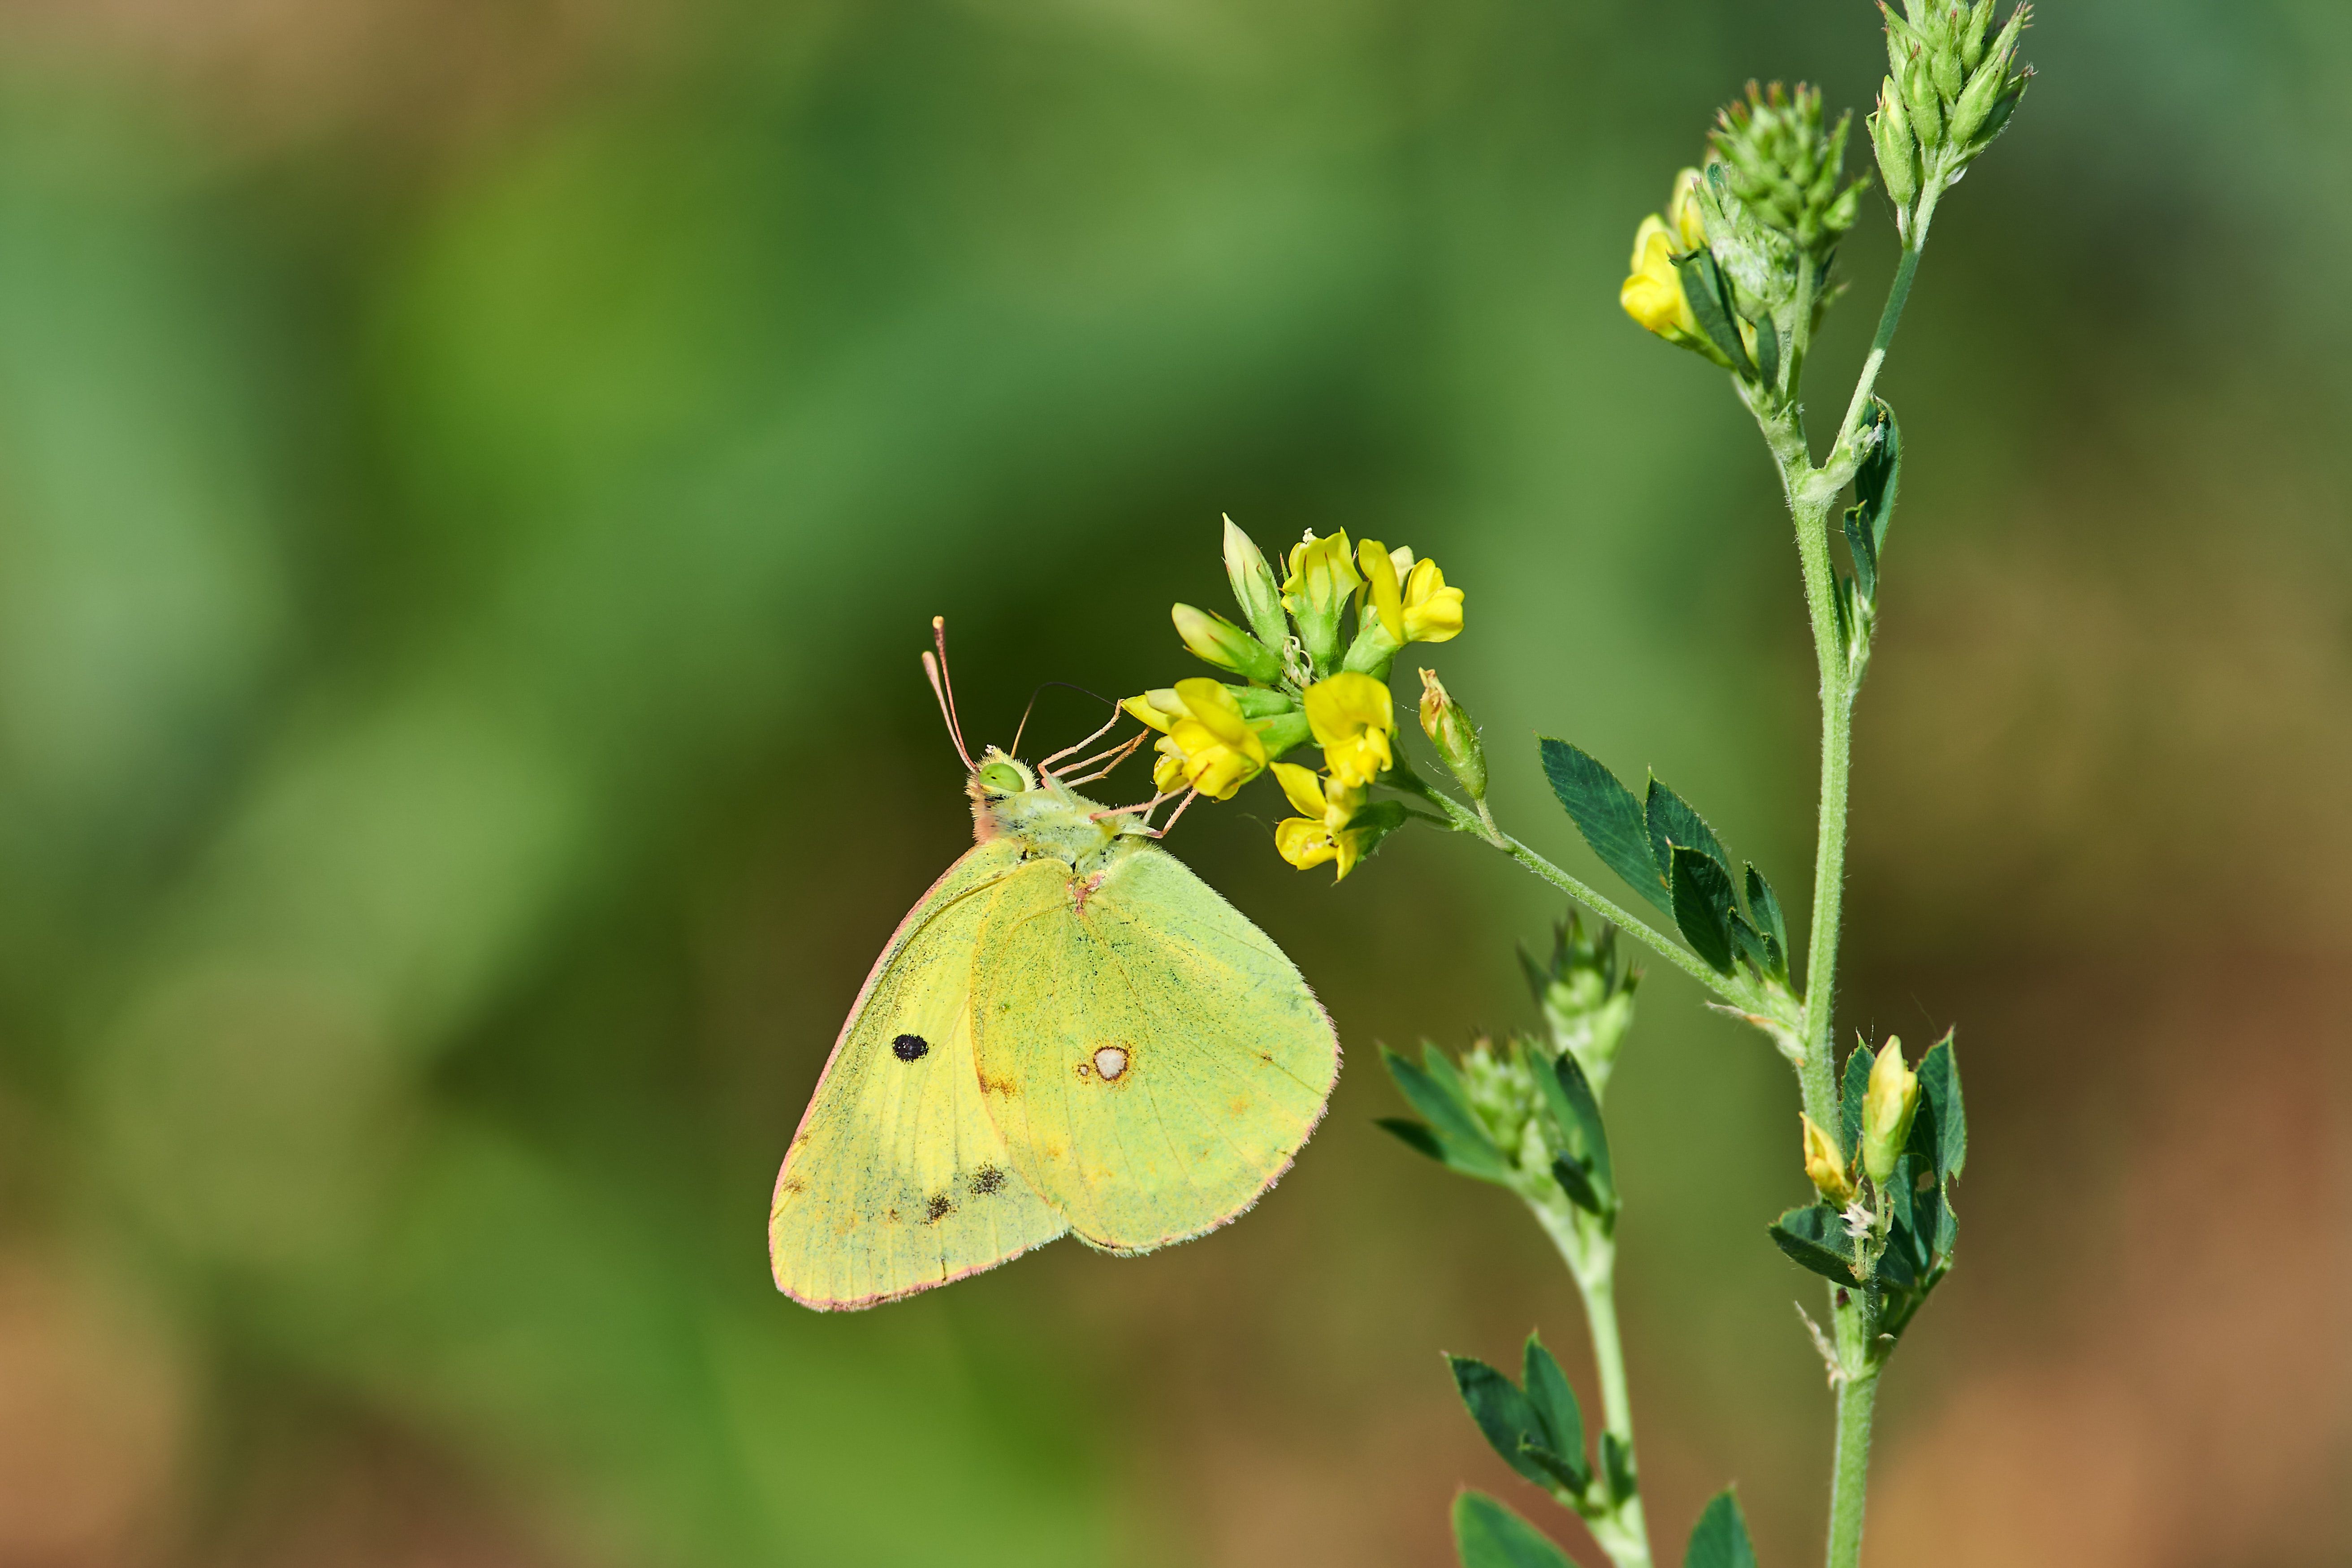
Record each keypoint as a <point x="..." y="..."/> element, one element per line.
<point x="473" y="482"/>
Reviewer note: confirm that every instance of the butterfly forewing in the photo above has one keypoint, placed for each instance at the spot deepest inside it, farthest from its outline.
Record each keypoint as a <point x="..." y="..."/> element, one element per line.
<point x="898" y="1179"/>
<point x="1150" y="1058"/>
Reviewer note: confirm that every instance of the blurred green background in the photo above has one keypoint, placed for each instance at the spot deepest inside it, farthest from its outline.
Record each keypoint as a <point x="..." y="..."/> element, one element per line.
<point x="474" y="479"/>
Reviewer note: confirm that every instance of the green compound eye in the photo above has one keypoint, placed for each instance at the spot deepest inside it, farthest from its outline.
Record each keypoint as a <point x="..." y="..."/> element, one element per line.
<point x="1003" y="778"/>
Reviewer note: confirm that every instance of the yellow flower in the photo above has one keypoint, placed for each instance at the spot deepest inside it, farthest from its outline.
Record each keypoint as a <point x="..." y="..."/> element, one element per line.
<point x="1433" y="612"/>
<point x="1682" y="215"/>
<point x="1352" y="718"/>
<point x="1652" y="292"/>
<point x="1321" y="576"/>
<point x="1887" y="1107"/>
<point x="1407" y="601"/>
<point x="1383" y="569"/>
<point x="1322" y="833"/>
<point x="1827" y="1171"/>
<point x="1206" y="744"/>
<point x="1322" y="580"/>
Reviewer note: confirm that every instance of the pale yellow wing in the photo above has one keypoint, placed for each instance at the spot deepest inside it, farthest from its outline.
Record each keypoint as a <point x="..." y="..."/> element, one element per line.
<point x="897" y="1180"/>
<point x="1151" y="1059"/>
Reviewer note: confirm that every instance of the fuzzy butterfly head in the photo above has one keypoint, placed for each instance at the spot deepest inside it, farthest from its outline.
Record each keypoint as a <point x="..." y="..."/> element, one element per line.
<point x="1011" y="797"/>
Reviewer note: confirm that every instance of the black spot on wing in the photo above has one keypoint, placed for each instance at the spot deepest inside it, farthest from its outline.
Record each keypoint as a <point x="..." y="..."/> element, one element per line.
<point x="986" y="1180"/>
<point x="910" y="1047"/>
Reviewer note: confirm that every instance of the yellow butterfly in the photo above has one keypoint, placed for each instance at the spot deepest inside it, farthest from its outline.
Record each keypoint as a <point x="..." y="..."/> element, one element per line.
<point x="1069" y="1033"/>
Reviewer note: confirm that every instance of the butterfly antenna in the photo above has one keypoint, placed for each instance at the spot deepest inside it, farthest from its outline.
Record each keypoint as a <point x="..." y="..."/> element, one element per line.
<point x="944" y="690"/>
<point x="1017" y="729"/>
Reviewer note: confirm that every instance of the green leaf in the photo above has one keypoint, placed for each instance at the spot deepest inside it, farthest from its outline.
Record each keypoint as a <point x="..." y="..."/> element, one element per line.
<point x="1414" y="1135"/>
<point x="1503" y="1413"/>
<point x="1555" y="1406"/>
<point x="1606" y="813"/>
<point x="1576" y="1117"/>
<point x="1617" y="1466"/>
<point x="1815" y="1238"/>
<point x="1849" y="1098"/>
<point x="1577" y="1182"/>
<point x="1489" y="1535"/>
<point x="1466" y="1148"/>
<point x="1720" y="1538"/>
<point x="1563" y="1470"/>
<point x="1539" y="976"/>
<point x="1672" y="824"/>
<point x="1703" y="907"/>
<point x="1372" y="824"/>
<point x="1901" y="1189"/>
<point x="1939" y="1105"/>
<point x="1919" y="1216"/>
<point x="1876" y="484"/>
<point x="1767" y="352"/>
<point x="1764" y="906"/>
<point x="1752" y="949"/>
<point x="1710" y="304"/>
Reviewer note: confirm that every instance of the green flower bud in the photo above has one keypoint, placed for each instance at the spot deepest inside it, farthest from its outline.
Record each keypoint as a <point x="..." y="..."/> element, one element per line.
<point x="1898" y="157"/>
<point x="1254" y="588"/>
<point x="1449" y="729"/>
<point x="1586" y="991"/>
<point x="1887" y="1107"/>
<point x="1972" y="34"/>
<point x="1213" y="639"/>
<point x="1919" y="97"/>
<point x="1944" y="65"/>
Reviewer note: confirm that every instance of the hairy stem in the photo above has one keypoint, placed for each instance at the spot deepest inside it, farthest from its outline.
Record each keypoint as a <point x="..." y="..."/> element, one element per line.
<point x="1897" y="296"/>
<point x="1621" y="1529"/>
<point x="1850" y="1479"/>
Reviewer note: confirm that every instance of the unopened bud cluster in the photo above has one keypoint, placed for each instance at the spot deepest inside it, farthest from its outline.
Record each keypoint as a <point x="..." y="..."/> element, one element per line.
<point x="1951" y="85"/>
<point x="1586" y="989"/>
<point x="1501" y="1089"/>
<point x="1786" y="168"/>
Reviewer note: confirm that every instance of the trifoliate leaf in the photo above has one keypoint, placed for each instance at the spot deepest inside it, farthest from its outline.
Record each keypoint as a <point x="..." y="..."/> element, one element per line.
<point x="1608" y="816"/>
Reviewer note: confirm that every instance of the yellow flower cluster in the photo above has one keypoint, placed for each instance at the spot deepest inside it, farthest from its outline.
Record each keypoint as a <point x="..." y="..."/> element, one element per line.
<point x="1214" y="736"/>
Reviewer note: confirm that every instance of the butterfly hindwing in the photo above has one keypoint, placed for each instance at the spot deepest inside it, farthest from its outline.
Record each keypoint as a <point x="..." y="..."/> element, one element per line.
<point x="1150" y="1058"/>
<point x="898" y="1179"/>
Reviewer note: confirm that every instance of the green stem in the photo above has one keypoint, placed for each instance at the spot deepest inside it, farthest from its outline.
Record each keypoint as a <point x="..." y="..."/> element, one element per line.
<point x="1621" y="1530"/>
<point x="1850" y="1480"/>
<point x="1480" y="824"/>
<point x="1898" y="295"/>
<point x="1600" y="1290"/>
<point x="1724" y="986"/>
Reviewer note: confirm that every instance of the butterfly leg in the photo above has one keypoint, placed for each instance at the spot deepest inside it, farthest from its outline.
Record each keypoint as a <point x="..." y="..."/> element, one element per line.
<point x="1048" y="765"/>
<point x="1146" y="807"/>
<point x="1161" y="831"/>
<point x="1117" y="754"/>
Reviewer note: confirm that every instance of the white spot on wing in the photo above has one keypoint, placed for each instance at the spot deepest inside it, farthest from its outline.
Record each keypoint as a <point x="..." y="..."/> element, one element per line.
<point x="1110" y="1061"/>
